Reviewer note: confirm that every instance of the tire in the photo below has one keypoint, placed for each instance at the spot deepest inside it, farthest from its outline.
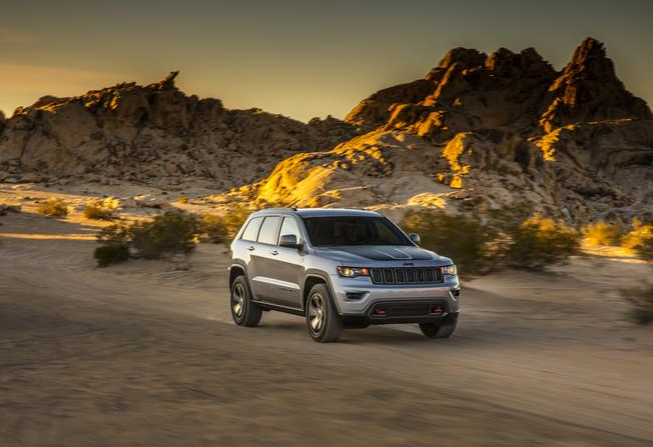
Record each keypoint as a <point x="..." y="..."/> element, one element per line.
<point x="243" y="311"/>
<point x="440" y="329"/>
<point x="321" y="316"/>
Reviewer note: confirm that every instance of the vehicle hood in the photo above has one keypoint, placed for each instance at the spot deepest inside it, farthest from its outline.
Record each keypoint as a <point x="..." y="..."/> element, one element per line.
<point x="366" y="253"/>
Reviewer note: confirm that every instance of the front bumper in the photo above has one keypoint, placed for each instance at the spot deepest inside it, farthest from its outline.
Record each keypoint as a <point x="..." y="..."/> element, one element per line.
<point x="356" y="297"/>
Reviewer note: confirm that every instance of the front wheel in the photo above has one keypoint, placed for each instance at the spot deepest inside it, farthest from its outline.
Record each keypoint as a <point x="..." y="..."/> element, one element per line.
<point x="440" y="329"/>
<point x="243" y="311"/>
<point x="322" y="317"/>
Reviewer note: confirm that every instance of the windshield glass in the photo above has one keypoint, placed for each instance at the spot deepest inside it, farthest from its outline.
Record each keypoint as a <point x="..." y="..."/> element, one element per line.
<point x="350" y="230"/>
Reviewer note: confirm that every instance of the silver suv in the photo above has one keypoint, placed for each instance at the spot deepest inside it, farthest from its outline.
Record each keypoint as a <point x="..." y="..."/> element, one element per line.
<point x="340" y="269"/>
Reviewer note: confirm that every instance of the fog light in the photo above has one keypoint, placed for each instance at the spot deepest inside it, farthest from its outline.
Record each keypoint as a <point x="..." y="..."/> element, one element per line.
<point x="356" y="296"/>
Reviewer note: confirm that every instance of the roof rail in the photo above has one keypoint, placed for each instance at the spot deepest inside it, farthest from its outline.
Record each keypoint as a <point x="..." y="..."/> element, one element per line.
<point x="292" y="208"/>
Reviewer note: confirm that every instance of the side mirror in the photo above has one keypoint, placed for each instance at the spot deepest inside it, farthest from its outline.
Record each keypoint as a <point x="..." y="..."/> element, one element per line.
<point x="415" y="238"/>
<point x="289" y="241"/>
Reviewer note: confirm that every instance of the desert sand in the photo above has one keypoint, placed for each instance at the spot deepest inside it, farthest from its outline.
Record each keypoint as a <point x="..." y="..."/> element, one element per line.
<point x="145" y="353"/>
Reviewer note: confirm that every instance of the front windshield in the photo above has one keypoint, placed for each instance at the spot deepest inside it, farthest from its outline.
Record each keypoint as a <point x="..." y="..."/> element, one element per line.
<point x="351" y="230"/>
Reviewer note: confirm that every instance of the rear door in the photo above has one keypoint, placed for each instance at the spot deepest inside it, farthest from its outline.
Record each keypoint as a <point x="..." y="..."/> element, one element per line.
<point x="262" y="258"/>
<point x="287" y="266"/>
<point x="247" y="245"/>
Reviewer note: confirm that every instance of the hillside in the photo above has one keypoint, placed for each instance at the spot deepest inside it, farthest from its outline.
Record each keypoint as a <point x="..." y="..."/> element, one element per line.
<point x="478" y="132"/>
<point x="483" y="131"/>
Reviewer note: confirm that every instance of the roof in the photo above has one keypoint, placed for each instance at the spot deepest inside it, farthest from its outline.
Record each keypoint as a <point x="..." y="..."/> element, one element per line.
<point x="319" y="212"/>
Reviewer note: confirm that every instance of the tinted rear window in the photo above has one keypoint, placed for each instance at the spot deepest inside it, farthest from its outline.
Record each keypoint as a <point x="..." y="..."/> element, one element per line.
<point x="251" y="232"/>
<point x="349" y="230"/>
<point x="268" y="233"/>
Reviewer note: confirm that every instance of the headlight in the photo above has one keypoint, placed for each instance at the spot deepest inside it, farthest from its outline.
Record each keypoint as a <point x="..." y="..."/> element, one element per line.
<point x="353" y="272"/>
<point x="449" y="270"/>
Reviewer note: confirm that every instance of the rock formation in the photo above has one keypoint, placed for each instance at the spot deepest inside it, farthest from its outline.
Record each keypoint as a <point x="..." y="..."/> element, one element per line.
<point x="481" y="132"/>
<point x="478" y="132"/>
<point x="153" y="134"/>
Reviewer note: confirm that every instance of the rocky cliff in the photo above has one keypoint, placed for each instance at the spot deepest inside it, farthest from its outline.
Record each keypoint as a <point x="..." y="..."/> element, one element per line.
<point x="484" y="131"/>
<point x="478" y="132"/>
<point x="152" y="134"/>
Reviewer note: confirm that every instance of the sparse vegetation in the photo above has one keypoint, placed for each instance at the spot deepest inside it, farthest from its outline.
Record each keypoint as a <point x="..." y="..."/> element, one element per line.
<point x="102" y="209"/>
<point x="111" y="254"/>
<point x="460" y="237"/>
<point x="170" y="233"/>
<point x="538" y="242"/>
<point x="641" y="300"/>
<point x="214" y="228"/>
<point x="640" y="239"/>
<point x="603" y="233"/>
<point x="234" y="220"/>
<point x="510" y="238"/>
<point x="53" y="208"/>
<point x="182" y="200"/>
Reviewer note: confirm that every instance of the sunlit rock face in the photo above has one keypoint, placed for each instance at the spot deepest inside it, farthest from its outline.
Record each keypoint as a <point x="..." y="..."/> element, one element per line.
<point x="478" y="132"/>
<point x="588" y="90"/>
<point x="490" y="130"/>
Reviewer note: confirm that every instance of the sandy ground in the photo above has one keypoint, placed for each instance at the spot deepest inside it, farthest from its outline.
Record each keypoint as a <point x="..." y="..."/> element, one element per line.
<point x="145" y="354"/>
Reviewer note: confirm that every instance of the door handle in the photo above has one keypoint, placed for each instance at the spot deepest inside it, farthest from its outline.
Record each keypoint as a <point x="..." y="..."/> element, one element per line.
<point x="274" y="253"/>
<point x="251" y="248"/>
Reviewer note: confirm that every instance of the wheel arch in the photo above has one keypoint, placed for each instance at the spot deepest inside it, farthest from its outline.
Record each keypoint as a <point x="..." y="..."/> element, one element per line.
<point x="236" y="270"/>
<point x="312" y="279"/>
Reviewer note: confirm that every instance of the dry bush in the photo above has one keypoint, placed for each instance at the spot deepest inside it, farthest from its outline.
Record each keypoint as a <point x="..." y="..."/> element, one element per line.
<point x="510" y="238"/>
<point x="538" y="242"/>
<point x="214" y="228"/>
<point x="111" y="254"/>
<point x="640" y="239"/>
<point x="463" y="239"/>
<point x="603" y="234"/>
<point x="53" y="208"/>
<point x="641" y="300"/>
<point x="170" y="233"/>
<point x="102" y="209"/>
<point x="234" y="220"/>
<point x="182" y="200"/>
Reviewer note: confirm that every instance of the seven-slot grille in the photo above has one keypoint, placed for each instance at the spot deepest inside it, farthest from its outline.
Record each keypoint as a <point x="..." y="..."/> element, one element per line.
<point x="407" y="275"/>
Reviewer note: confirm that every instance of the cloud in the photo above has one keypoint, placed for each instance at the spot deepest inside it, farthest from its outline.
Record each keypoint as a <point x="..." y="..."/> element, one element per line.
<point x="12" y="36"/>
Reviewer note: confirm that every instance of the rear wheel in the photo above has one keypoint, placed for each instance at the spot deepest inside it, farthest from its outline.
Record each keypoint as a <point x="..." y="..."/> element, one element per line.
<point x="321" y="316"/>
<point x="440" y="329"/>
<point x="243" y="311"/>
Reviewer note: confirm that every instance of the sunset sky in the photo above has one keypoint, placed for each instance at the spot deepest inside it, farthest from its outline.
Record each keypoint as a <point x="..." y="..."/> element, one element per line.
<point x="299" y="58"/>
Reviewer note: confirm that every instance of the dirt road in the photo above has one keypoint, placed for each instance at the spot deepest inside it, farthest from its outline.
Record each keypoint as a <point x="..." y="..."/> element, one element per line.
<point x="145" y="354"/>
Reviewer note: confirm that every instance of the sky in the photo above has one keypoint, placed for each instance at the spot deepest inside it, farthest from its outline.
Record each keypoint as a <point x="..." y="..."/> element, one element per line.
<point x="300" y="58"/>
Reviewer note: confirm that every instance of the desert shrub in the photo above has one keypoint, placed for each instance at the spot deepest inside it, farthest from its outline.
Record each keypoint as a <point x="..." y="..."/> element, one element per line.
<point x="538" y="242"/>
<point x="460" y="237"/>
<point x="101" y="209"/>
<point x="182" y="200"/>
<point x="641" y="300"/>
<point x="234" y="219"/>
<point x="603" y="234"/>
<point x="111" y="254"/>
<point x="172" y="232"/>
<point x="214" y="228"/>
<point x="640" y="239"/>
<point x="53" y="208"/>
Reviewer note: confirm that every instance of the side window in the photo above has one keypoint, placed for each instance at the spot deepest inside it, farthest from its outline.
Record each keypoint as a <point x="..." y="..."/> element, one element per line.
<point x="251" y="232"/>
<point x="268" y="233"/>
<point x="290" y="226"/>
